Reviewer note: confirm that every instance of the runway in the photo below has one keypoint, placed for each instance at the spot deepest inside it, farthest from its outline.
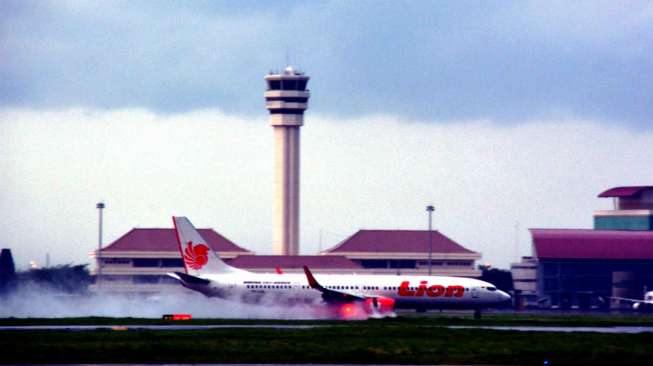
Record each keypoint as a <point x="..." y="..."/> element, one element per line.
<point x="157" y="327"/>
<point x="81" y="328"/>
<point x="609" y="330"/>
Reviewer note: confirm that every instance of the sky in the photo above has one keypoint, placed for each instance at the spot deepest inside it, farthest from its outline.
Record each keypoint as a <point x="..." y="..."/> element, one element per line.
<point x="503" y="115"/>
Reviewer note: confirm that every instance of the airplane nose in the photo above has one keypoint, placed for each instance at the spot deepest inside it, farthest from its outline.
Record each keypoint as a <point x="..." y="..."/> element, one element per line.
<point x="503" y="296"/>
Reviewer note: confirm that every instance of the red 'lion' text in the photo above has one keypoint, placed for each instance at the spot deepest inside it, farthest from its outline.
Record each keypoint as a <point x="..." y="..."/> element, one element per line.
<point x="431" y="291"/>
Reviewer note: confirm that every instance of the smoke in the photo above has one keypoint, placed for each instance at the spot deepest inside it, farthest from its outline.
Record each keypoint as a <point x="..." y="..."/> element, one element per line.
<point x="33" y="300"/>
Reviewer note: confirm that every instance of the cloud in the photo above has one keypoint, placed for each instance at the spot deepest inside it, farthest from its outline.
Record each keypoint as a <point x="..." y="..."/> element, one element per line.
<point x="507" y="61"/>
<point x="377" y="171"/>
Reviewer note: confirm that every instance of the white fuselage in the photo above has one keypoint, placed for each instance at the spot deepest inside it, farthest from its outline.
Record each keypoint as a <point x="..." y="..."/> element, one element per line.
<point x="420" y="292"/>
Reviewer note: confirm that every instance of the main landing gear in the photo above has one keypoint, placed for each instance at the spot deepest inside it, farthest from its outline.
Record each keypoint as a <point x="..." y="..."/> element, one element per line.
<point x="477" y="314"/>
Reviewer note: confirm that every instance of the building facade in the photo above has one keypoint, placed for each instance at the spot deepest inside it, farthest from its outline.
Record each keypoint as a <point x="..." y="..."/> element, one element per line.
<point x="407" y="252"/>
<point x="524" y="277"/>
<point x="138" y="261"/>
<point x="585" y="268"/>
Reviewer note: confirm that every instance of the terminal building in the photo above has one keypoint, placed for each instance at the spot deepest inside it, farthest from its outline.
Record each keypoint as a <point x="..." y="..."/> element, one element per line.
<point x="138" y="261"/>
<point x="407" y="252"/>
<point x="584" y="268"/>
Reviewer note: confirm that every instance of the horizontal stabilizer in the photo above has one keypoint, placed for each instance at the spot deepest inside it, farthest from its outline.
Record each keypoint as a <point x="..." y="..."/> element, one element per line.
<point x="192" y="280"/>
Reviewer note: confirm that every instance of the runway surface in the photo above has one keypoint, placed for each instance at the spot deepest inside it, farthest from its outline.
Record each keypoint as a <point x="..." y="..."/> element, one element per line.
<point x="156" y="327"/>
<point x="614" y="330"/>
<point x="609" y="330"/>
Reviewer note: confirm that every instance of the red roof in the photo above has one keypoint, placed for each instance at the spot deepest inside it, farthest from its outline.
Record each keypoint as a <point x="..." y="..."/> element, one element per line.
<point x="592" y="244"/>
<point x="165" y="240"/>
<point x="413" y="241"/>
<point x="293" y="261"/>
<point x="624" y="191"/>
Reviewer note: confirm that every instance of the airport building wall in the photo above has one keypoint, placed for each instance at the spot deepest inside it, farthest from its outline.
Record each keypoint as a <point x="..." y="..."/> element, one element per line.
<point x="524" y="277"/>
<point x="585" y="268"/>
<point x="407" y="252"/>
<point x="624" y="222"/>
<point x="138" y="261"/>
<point x="586" y="284"/>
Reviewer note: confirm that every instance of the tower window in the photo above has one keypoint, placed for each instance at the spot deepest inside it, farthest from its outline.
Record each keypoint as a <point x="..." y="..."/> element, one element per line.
<point x="287" y="99"/>
<point x="289" y="84"/>
<point x="286" y="111"/>
<point x="274" y="84"/>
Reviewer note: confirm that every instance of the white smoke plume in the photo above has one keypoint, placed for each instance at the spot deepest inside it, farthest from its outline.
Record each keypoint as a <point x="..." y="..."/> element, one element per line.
<point x="37" y="301"/>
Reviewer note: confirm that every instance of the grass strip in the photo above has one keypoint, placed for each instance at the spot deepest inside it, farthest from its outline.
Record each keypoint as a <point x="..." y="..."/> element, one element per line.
<point x="432" y="319"/>
<point x="358" y="343"/>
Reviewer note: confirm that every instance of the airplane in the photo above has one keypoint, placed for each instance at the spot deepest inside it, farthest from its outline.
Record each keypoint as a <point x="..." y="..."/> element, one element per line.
<point x="340" y="296"/>
<point x="645" y="304"/>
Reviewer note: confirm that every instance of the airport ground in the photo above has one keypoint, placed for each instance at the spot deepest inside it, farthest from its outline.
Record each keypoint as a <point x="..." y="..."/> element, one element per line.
<point x="408" y="339"/>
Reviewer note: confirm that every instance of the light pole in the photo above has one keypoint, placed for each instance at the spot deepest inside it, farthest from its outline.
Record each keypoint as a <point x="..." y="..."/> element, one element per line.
<point x="100" y="206"/>
<point x="430" y="210"/>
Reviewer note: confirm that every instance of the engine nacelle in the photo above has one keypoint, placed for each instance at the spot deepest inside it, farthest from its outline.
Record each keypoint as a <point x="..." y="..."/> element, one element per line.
<point x="380" y="306"/>
<point x="351" y="311"/>
<point x="376" y="307"/>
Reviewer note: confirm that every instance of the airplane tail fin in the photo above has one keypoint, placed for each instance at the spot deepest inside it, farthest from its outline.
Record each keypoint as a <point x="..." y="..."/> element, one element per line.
<point x="199" y="259"/>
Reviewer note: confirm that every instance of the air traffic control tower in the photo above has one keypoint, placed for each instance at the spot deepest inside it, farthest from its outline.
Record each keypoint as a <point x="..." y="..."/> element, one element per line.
<point x="286" y="98"/>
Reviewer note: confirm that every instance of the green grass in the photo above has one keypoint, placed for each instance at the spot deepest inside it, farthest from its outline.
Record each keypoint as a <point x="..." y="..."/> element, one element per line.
<point x="364" y="344"/>
<point x="406" y="340"/>
<point x="433" y="319"/>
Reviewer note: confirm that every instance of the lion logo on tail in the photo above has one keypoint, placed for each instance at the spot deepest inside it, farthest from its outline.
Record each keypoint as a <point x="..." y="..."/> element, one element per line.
<point x="196" y="256"/>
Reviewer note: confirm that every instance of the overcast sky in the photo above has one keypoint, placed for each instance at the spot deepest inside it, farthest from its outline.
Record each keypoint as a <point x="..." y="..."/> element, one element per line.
<point x="495" y="112"/>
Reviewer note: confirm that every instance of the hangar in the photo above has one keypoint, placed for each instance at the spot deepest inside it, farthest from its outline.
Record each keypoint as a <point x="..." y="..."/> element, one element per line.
<point x="583" y="268"/>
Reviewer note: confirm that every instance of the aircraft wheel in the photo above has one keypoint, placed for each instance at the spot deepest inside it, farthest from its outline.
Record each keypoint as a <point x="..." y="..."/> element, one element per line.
<point x="477" y="314"/>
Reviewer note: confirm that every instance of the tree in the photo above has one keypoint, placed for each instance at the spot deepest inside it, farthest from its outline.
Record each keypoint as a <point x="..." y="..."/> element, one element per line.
<point x="500" y="278"/>
<point x="66" y="278"/>
<point x="7" y="270"/>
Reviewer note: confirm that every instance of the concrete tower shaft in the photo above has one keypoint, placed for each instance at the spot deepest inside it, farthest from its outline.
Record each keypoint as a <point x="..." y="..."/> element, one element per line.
<point x="286" y="98"/>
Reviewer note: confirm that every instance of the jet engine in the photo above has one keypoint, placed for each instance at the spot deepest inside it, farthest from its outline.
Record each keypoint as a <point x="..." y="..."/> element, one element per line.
<point x="380" y="307"/>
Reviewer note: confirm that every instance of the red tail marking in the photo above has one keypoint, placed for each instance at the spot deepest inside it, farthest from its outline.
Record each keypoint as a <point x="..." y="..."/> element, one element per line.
<point x="196" y="256"/>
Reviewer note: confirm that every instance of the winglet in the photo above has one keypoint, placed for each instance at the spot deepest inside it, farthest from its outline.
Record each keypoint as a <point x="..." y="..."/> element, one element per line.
<point x="311" y="280"/>
<point x="278" y="270"/>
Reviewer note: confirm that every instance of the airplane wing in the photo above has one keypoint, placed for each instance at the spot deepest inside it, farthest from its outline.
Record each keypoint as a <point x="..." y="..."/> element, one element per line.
<point x="331" y="295"/>
<point x="626" y="299"/>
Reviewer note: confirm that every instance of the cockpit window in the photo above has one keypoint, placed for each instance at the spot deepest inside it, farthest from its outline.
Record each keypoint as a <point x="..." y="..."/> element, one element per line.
<point x="492" y="288"/>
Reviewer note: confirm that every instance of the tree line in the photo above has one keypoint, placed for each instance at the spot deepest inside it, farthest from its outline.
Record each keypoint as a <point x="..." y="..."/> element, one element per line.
<point x="65" y="278"/>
